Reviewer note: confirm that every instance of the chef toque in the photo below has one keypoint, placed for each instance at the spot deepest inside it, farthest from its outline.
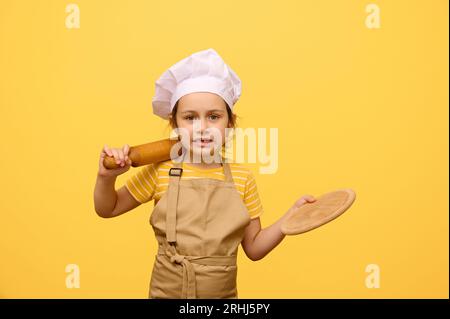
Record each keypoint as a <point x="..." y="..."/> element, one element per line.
<point x="203" y="71"/>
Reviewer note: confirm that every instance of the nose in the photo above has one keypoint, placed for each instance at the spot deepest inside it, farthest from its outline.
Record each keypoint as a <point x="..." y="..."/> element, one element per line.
<point x="201" y="126"/>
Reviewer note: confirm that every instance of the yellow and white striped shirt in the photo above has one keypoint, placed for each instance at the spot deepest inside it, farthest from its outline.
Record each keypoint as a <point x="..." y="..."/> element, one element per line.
<point x="152" y="180"/>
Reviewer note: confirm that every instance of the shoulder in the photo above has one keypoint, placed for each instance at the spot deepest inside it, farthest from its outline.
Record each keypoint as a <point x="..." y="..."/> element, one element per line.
<point x="156" y="168"/>
<point x="242" y="171"/>
<point x="239" y="168"/>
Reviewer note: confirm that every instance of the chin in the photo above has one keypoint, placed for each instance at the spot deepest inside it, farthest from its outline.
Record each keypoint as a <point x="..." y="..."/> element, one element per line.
<point x="204" y="152"/>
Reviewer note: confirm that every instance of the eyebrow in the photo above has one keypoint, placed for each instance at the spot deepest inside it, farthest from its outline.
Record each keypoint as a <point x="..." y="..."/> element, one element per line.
<point x="194" y="111"/>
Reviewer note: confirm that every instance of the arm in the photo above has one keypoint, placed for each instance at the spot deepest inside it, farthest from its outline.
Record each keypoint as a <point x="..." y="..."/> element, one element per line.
<point x="258" y="242"/>
<point x="109" y="203"/>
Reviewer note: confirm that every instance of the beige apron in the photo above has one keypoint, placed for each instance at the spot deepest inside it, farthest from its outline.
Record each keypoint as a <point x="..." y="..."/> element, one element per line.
<point x="199" y="224"/>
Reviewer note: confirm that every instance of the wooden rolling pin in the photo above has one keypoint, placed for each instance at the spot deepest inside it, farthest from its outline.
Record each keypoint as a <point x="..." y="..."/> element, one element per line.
<point x="145" y="154"/>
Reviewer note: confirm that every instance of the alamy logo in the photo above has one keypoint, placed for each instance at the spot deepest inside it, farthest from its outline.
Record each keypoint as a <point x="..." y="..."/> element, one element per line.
<point x="73" y="276"/>
<point x="373" y="17"/>
<point x="73" y="17"/>
<point x="373" y="278"/>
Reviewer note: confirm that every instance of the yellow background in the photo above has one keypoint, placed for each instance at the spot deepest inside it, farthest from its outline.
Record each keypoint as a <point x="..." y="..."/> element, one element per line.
<point x="354" y="107"/>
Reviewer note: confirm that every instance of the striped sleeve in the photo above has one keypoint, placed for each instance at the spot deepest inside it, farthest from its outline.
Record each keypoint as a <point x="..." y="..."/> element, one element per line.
<point x="142" y="185"/>
<point x="251" y="197"/>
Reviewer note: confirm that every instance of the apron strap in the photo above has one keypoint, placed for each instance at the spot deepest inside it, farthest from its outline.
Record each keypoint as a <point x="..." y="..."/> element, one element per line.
<point x="227" y="172"/>
<point x="172" y="201"/>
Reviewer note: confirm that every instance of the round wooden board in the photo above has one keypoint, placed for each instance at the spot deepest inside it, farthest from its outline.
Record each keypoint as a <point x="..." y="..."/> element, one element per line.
<point x="312" y="215"/>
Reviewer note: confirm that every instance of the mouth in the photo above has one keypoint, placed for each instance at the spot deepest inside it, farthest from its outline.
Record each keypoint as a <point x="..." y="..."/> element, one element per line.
<point x="203" y="142"/>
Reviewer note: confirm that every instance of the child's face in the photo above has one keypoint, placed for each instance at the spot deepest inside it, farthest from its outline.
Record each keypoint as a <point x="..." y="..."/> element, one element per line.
<point x="203" y="115"/>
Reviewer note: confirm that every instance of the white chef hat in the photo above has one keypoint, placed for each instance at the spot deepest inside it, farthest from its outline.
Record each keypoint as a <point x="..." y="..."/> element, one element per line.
<point x="203" y="71"/>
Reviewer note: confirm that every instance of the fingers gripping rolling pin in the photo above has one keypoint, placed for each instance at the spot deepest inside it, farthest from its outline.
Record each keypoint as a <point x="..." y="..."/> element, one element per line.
<point x="145" y="154"/>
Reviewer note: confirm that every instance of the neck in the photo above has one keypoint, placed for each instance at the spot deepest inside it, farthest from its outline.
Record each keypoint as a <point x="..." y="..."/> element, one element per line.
<point x="217" y="162"/>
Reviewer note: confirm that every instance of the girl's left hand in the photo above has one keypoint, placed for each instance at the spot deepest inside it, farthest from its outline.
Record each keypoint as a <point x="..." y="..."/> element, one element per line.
<point x="303" y="200"/>
<point x="300" y="202"/>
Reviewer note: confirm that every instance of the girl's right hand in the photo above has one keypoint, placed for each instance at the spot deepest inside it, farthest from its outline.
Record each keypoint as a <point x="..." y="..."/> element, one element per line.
<point x="121" y="157"/>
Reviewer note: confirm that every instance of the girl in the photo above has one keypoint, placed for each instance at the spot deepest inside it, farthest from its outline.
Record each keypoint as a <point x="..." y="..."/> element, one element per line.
<point x="203" y="210"/>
